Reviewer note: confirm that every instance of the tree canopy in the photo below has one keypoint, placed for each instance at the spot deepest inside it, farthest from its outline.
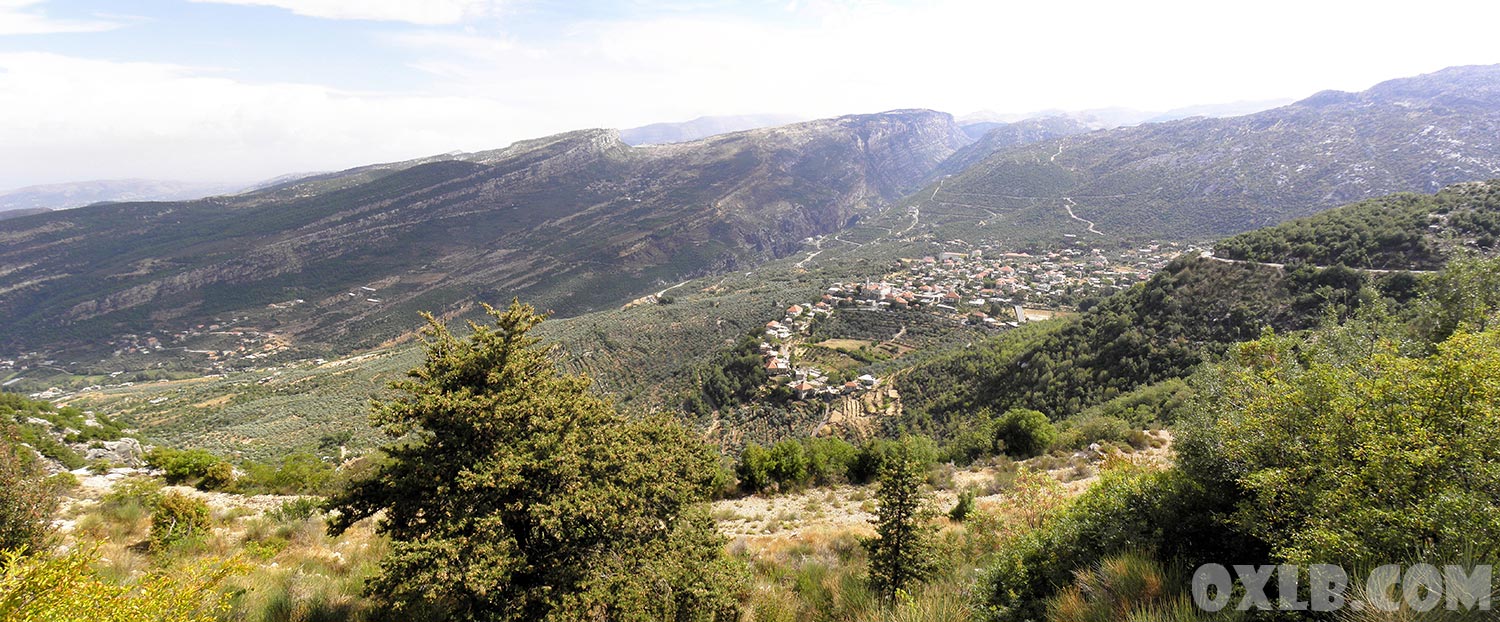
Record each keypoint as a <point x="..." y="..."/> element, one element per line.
<point x="512" y="493"/>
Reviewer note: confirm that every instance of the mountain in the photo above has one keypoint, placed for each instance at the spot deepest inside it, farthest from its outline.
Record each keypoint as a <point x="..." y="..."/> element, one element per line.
<point x="1118" y="116"/>
<point x="1230" y="109"/>
<point x="1203" y="177"/>
<point x="1397" y="232"/>
<point x="1194" y="309"/>
<point x="17" y="213"/>
<point x="77" y="194"/>
<point x="570" y="222"/>
<point x="701" y="127"/>
<point x="992" y="137"/>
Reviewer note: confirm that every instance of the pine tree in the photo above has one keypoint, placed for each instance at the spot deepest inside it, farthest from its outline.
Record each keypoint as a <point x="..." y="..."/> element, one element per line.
<point x="901" y="553"/>
<point x="512" y="493"/>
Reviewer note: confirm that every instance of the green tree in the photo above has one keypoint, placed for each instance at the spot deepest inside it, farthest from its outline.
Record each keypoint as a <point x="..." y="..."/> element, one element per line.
<point x="26" y="499"/>
<point x="754" y="469"/>
<point x="901" y="553"/>
<point x="1025" y="433"/>
<point x="512" y="493"/>
<point x="1347" y="450"/>
<point x="788" y="464"/>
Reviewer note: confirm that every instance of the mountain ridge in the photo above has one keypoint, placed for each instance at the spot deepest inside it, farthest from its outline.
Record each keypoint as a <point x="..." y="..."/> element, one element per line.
<point x="1206" y="177"/>
<point x="573" y="221"/>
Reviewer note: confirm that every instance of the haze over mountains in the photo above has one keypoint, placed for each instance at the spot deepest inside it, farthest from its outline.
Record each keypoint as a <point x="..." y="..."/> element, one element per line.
<point x="701" y="127"/>
<point x="582" y="220"/>
<point x="78" y="194"/>
<point x="1105" y="118"/>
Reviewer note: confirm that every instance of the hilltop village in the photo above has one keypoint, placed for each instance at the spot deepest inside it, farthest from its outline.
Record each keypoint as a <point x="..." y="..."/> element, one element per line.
<point x="978" y="286"/>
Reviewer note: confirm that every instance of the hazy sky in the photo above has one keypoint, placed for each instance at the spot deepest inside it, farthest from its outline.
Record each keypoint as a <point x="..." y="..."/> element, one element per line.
<point x="231" y="90"/>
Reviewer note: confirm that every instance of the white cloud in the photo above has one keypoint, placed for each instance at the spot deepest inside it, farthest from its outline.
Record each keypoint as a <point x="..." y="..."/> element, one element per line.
<point x="71" y="119"/>
<point x="23" y="17"/>
<point x="425" y="12"/>
<point x="832" y="57"/>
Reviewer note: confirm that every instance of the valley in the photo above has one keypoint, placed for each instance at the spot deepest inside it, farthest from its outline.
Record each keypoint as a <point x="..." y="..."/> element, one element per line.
<point x="726" y="360"/>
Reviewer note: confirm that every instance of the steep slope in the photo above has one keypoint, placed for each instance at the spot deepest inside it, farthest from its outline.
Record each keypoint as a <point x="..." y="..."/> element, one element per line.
<point x="1203" y="177"/>
<point x="998" y="137"/>
<point x="1195" y="308"/>
<point x="571" y="222"/>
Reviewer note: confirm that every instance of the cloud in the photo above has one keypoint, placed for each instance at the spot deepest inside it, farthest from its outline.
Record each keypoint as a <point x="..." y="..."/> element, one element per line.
<point x="23" y="17"/>
<point x="71" y="119"/>
<point x="424" y="12"/>
<point x="832" y="57"/>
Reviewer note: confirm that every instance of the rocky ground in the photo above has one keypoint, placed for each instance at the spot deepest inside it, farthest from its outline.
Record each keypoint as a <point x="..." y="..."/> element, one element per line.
<point x="852" y="507"/>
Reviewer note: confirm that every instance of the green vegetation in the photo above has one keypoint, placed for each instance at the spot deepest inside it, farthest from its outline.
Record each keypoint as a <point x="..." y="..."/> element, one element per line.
<point x="550" y="503"/>
<point x="1358" y="443"/>
<point x="1157" y="331"/>
<point x="901" y="553"/>
<point x="66" y="588"/>
<point x="1023" y="433"/>
<point x="177" y="517"/>
<point x="27" y="499"/>
<point x="1403" y="232"/>
<point x="735" y="376"/>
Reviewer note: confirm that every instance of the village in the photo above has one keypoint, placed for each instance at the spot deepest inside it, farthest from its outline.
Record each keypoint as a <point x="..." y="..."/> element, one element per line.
<point x="218" y="347"/>
<point x="987" y="286"/>
<point x="978" y="286"/>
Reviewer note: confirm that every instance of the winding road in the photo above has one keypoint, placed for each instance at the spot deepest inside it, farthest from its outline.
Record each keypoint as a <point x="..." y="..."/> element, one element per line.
<point x="1208" y="254"/>
<point x="1068" y="205"/>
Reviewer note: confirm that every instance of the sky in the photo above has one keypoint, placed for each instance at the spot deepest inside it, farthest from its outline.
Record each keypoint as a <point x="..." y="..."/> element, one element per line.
<point x="245" y="90"/>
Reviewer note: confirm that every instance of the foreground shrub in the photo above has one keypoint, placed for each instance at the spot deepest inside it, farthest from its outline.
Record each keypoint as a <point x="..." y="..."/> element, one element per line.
<point x="177" y="517"/>
<point x="27" y="499"/>
<point x="192" y="466"/>
<point x="42" y="588"/>
<point x="1024" y="433"/>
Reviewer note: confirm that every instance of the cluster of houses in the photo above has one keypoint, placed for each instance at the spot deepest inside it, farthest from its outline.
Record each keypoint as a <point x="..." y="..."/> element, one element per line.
<point x="225" y="345"/>
<point x="984" y="286"/>
<point x="779" y="342"/>
<point x="980" y="286"/>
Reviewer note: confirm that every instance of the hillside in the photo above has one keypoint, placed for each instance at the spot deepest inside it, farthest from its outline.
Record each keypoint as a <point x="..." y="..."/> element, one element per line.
<point x="1401" y="232"/>
<point x="571" y="222"/>
<point x="1193" y="310"/>
<point x="1205" y="177"/>
<point x="997" y="137"/>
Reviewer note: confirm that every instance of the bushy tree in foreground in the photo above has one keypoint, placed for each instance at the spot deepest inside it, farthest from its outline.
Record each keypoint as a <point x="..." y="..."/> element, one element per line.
<point x="1024" y="432"/>
<point x="511" y="493"/>
<point x="26" y="499"/>
<point x="901" y="553"/>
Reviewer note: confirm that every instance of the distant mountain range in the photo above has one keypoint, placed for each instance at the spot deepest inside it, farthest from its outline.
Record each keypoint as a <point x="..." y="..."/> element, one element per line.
<point x="702" y="127"/>
<point x="583" y="220"/>
<point x="570" y="222"/>
<point x="1105" y="118"/>
<point x="78" y="194"/>
<point x="1204" y="177"/>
